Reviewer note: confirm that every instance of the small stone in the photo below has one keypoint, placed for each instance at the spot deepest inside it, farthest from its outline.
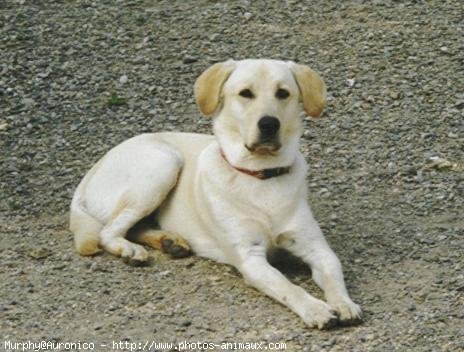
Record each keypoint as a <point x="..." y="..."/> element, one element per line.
<point x="43" y="74"/>
<point x="28" y="102"/>
<point x="363" y="337"/>
<point x="368" y="98"/>
<point x="40" y="253"/>
<point x="324" y="193"/>
<point x="59" y="267"/>
<point x="394" y="95"/>
<point x="247" y="15"/>
<point x="215" y="37"/>
<point x="123" y="79"/>
<point x="189" y="60"/>
<point x="365" y="106"/>
<point x="308" y="134"/>
<point x="330" y="342"/>
<point x="164" y="273"/>
<point x="186" y="323"/>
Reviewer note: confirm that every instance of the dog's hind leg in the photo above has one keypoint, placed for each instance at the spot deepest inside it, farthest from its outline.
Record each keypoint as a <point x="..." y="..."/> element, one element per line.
<point x="86" y="229"/>
<point x="167" y="242"/>
<point x="145" y="190"/>
<point x="112" y="236"/>
<point x="125" y="186"/>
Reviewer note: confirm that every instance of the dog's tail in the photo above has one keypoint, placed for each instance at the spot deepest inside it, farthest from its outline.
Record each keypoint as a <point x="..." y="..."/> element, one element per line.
<point x="86" y="229"/>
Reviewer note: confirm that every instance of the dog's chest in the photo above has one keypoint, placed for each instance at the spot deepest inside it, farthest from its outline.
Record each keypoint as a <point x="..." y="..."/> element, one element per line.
<point x="244" y="206"/>
<point x="235" y="198"/>
<point x="273" y="197"/>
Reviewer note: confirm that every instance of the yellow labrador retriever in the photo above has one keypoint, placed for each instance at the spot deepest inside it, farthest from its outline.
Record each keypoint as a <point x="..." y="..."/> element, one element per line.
<point x="229" y="197"/>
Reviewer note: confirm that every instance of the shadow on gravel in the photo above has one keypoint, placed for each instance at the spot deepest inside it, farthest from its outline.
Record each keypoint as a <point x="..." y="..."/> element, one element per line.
<point x="289" y="265"/>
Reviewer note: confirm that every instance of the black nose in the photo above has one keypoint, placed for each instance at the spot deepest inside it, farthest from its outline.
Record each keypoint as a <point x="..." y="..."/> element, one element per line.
<point x="268" y="125"/>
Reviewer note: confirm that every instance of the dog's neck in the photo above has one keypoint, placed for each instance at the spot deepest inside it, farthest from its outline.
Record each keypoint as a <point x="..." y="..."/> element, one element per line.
<point x="262" y="174"/>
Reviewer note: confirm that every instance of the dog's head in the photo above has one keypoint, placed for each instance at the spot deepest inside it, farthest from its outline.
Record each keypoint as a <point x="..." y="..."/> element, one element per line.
<point x="256" y="105"/>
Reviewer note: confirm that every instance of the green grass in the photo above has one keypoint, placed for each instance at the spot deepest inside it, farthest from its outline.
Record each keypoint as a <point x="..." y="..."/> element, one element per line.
<point x="115" y="100"/>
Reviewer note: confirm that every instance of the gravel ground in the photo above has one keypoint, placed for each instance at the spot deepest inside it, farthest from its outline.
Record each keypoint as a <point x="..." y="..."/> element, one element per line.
<point x="78" y="77"/>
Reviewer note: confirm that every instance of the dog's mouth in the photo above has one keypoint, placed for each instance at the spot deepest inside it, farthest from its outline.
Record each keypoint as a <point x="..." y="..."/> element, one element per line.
<point x="264" y="148"/>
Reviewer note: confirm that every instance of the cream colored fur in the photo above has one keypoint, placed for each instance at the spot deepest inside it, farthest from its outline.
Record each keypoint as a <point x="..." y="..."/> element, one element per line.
<point x="222" y="213"/>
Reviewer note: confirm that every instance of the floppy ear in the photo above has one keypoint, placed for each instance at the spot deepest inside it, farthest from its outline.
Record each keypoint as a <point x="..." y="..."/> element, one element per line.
<point x="208" y="86"/>
<point x="312" y="88"/>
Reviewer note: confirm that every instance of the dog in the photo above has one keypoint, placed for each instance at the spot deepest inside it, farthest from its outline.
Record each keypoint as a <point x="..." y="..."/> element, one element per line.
<point x="231" y="196"/>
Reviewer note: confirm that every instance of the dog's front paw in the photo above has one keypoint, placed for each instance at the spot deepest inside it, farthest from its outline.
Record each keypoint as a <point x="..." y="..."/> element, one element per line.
<point x="134" y="254"/>
<point x="348" y="312"/>
<point x="131" y="253"/>
<point x="318" y="314"/>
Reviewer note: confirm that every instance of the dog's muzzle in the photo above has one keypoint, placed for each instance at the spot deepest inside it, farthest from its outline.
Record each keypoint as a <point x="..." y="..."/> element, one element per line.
<point x="268" y="142"/>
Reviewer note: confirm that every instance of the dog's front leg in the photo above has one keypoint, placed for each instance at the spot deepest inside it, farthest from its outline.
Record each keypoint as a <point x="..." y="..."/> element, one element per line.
<point x="256" y="270"/>
<point x="305" y="240"/>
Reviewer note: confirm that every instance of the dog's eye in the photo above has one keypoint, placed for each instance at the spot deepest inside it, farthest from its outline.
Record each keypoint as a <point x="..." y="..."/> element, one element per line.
<point x="282" y="93"/>
<point x="246" y="93"/>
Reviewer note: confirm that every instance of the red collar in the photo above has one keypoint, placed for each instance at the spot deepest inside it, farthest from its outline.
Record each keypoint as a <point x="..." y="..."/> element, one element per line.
<point x="263" y="174"/>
